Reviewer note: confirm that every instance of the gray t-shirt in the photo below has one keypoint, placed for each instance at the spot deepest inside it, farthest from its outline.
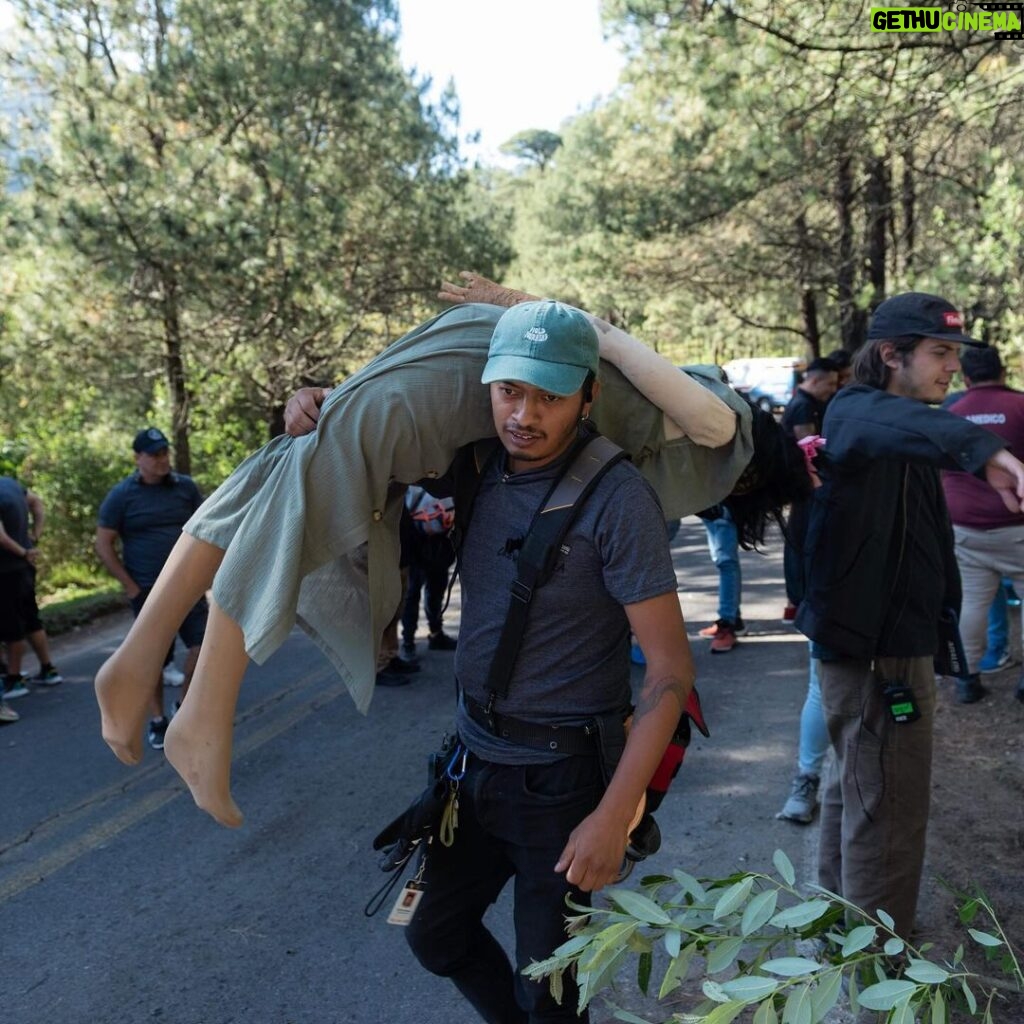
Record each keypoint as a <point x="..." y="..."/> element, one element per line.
<point x="574" y="658"/>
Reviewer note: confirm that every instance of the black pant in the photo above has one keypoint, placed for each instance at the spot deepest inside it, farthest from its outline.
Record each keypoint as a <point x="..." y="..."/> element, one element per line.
<point x="513" y="821"/>
<point x="793" y="552"/>
<point x="429" y="560"/>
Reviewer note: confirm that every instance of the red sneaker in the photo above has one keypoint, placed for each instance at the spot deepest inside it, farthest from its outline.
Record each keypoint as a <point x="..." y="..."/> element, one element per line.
<point x="724" y="639"/>
<point x="712" y="630"/>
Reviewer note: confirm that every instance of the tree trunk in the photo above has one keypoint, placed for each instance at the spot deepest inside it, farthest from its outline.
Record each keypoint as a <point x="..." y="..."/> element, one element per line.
<point x="845" y="269"/>
<point x="176" y="384"/>
<point x="907" y="200"/>
<point x="811" y="330"/>
<point x="876" y="215"/>
<point x="808" y="303"/>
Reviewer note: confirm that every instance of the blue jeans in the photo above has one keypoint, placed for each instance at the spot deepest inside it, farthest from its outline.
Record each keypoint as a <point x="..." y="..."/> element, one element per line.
<point x="723" y="543"/>
<point x="814" y="741"/>
<point x="998" y="636"/>
<point x="514" y="821"/>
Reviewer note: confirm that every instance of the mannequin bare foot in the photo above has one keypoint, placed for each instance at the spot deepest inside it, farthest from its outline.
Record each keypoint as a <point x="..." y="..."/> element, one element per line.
<point x="201" y="755"/>
<point x="198" y="740"/>
<point x="481" y="289"/>
<point x="124" y="688"/>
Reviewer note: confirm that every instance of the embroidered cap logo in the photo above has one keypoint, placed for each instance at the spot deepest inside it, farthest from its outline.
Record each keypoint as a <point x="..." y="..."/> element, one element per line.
<point x="536" y="334"/>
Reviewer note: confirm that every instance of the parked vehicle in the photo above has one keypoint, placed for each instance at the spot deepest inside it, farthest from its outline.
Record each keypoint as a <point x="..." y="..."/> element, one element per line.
<point x="768" y="382"/>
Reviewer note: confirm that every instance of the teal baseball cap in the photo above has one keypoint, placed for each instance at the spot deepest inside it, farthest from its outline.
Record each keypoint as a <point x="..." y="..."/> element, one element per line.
<point x="545" y="344"/>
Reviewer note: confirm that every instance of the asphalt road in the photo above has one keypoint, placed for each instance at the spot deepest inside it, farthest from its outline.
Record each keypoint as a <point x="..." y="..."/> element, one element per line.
<point x="121" y="902"/>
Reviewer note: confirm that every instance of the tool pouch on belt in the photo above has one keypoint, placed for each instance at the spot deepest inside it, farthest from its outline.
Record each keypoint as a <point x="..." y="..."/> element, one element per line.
<point x="421" y="820"/>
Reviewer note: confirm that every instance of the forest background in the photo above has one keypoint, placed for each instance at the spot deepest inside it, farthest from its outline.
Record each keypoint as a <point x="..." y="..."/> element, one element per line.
<point x="204" y="206"/>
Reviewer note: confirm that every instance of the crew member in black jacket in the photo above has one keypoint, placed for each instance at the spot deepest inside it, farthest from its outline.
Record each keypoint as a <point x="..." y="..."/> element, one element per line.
<point x="880" y="571"/>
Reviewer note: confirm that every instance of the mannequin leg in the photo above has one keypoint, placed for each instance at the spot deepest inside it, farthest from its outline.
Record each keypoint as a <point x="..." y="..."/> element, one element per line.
<point x="198" y="741"/>
<point x="124" y="683"/>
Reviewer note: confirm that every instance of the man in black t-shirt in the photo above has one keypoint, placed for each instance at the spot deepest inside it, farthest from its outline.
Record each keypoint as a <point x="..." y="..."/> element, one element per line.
<point x="806" y="409"/>
<point x="802" y="418"/>
<point x="144" y="514"/>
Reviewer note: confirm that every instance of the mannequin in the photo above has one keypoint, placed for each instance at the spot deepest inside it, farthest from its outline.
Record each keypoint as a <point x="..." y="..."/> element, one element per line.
<point x="274" y="548"/>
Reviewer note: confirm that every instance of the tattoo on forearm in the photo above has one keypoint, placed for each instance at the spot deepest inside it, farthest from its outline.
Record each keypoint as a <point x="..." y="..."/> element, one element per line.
<point x="656" y="690"/>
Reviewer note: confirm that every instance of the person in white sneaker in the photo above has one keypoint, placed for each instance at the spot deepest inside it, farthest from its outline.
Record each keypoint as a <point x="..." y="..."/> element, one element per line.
<point x="144" y="513"/>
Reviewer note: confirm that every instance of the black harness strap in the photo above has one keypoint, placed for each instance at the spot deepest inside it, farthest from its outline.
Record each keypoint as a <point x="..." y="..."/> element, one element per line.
<point x="595" y="455"/>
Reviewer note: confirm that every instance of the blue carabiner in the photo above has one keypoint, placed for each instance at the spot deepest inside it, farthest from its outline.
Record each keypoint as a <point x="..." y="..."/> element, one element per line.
<point x="460" y="752"/>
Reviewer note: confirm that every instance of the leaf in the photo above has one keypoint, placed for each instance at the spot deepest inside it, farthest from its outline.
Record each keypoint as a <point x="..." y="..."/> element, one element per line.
<point x="886" y="919"/>
<point x="926" y="972"/>
<point x="643" y="908"/>
<point x="969" y="911"/>
<point x="630" y="1018"/>
<point x="983" y="938"/>
<point x="893" y="946"/>
<point x="825" y="994"/>
<point x="556" y="988"/>
<point x="691" y="885"/>
<point x="721" y="955"/>
<point x="574" y="945"/>
<point x="784" y="867"/>
<point x="750" y="989"/>
<point x="766" y="1014"/>
<point x="724" y="1013"/>
<point x="799" y="915"/>
<point x="609" y="942"/>
<point x="714" y="991"/>
<point x="853" y="992"/>
<point x="758" y="911"/>
<point x="902" y="1014"/>
<point x="791" y="966"/>
<point x="677" y="970"/>
<point x="884" y="995"/>
<point x="643" y="972"/>
<point x="858" y="939"/>
<point x="939" y="1015"/>
<point x="798" y="1006"/>
<point x="733" y="897"/>
<point x="673" y="942"/>
<point x="972" y="1003"/>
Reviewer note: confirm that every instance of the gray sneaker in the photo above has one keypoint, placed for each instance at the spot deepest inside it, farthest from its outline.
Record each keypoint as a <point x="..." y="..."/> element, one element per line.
<point x="803" y="795"/>
<point x="7" y="713"/>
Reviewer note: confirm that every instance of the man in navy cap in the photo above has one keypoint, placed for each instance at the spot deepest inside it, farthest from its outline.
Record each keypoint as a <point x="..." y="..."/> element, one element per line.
<point x="146" y="512"/>
<point x="881" y="578"/>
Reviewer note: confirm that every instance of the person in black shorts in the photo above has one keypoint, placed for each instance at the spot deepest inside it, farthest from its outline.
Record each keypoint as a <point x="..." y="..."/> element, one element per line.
<point x="21" y="523"/>
<point x="146" y="512"/>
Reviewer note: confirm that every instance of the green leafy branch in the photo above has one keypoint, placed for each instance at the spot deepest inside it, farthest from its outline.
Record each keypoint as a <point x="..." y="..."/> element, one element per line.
<point x="765" y="944"/>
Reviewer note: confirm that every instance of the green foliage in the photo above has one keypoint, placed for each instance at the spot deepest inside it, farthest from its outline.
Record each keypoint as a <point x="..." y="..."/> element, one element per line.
<point x="768" y="172"/>
<point x="534" y="146"/>
<point x="65" y="613"/>
<point x="215" y="205"/>
<point x="765" y="945"/>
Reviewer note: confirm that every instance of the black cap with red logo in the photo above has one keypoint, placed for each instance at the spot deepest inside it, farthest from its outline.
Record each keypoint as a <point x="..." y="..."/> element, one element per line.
<point x="919" y="313"/>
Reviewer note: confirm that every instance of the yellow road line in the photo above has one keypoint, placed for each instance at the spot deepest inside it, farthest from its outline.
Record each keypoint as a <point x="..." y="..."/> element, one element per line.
<point x="143" y="805"/>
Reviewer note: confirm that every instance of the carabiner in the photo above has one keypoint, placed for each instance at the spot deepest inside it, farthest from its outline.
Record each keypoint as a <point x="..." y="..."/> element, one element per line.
<point x="460" y="752"/>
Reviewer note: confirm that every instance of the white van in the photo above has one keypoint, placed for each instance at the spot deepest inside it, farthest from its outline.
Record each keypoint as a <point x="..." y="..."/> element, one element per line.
<point x="768" y="382"/>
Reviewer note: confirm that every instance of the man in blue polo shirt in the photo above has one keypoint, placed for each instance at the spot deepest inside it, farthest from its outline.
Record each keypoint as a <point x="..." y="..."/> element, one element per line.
<point x="146" y="511"/>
